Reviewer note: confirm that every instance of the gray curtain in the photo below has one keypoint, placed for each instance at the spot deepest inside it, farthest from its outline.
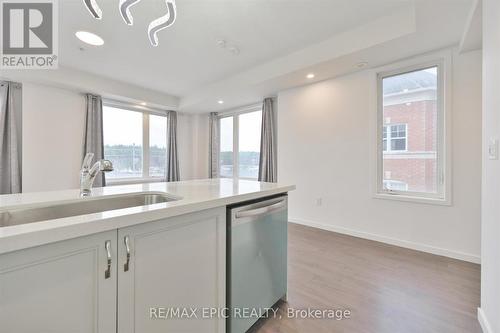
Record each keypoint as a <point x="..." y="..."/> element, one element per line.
<point x="213" y="149"/>
<point x="10" y="138"/>
<point x="173" y="174"/>
<point x="93" y="141"/>
<point x="268" y="171"/>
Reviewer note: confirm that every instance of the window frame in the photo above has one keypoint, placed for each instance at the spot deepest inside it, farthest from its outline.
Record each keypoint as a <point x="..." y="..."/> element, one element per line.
<point x="442" y="61"/>
<point x="146" y="112"/>
<point x="236" y="137"/>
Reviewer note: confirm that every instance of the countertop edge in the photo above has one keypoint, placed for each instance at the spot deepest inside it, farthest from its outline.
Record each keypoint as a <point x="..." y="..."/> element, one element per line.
<point x="56" y="230"/>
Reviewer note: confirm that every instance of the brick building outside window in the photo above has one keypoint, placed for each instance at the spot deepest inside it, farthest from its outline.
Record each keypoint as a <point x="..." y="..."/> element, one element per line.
<point x="409" y="132"/>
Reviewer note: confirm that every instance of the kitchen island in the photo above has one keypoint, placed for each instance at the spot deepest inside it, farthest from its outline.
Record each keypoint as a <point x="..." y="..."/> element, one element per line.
<point x="119" y="270"/>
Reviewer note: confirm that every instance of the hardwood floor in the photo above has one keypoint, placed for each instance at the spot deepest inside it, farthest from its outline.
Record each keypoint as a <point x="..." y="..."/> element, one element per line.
<point x="386" y="288"/>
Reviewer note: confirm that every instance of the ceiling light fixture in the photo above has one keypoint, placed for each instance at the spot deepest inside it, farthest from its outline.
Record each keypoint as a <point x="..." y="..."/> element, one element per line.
<point x="163" y="22"/>
<point x="220" y="102"/>
<point x="154" y="27"/>
<point x="144" y="103"/>
<point x="89" y="38"/>
<point x="124" y="8"/>
<point x="310" y="76"/>
<point x="93" y="8"/>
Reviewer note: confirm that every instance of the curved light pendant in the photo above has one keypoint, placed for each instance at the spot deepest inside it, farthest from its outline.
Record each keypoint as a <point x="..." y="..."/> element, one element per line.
<point x="124" y="8"/>
<point x="162" y="22"/>
<point x="93" y="8"/>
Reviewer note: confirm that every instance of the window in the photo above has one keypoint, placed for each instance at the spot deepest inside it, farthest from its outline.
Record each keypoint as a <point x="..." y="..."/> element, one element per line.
<point x="136" y="143"/>
<point x="249" y="144"/>
<point x="240" y="145"/>
<point x="226" y="147"/>
<point x="411" y="132"/>
<point x="394" y="137"/>
<point x="157" y="146"/>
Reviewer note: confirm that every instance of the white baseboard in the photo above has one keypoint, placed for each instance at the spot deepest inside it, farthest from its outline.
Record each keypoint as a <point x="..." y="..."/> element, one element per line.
<point x="392" y="241"/>
<point x="483" y="321"/>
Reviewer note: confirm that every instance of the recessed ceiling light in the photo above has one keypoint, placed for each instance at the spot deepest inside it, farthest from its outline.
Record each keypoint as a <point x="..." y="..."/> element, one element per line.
<point x="89" y="38"/>
<point x="310" y="76"/>
<point x="143" y="103"/>
<point x="220" y="102"/>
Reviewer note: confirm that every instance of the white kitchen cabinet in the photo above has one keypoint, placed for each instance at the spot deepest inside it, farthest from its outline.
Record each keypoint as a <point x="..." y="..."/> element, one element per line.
<point x="60" y="287"/>
<point x="64" y="287"/>
<point x="174" y="263"/>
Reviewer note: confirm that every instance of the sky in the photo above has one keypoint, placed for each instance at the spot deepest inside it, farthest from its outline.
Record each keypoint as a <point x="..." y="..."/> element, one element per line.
<point x="432" y="70"/>
<point x="125" y="127"/>
<point x="249" y="136"/>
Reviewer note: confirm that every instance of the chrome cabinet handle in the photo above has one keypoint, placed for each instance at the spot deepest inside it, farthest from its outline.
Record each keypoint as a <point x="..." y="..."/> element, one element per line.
<point x="107" y="272"/>
<point x="127" y="248"/>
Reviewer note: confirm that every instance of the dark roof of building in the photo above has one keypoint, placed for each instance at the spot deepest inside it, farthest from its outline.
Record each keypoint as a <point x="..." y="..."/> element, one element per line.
<point x="410" y="81"/>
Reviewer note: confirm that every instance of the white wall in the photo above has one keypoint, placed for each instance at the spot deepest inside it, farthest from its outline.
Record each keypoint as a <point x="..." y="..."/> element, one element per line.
<point x="77" y="81"/>
<point x="200" y="151"/>
<point x="53" y="122"/>
<point x="53" y="125"/>
<point x="490" y="240"/>
<point x="324" y="135"/>
<point x="192" y="136"/>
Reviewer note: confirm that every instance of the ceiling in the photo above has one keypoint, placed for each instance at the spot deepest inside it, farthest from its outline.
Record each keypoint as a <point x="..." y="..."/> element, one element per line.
<point x="278" y="40"/>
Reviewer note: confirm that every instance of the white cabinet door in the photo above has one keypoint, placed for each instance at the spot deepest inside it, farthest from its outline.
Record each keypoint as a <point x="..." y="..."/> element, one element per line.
<point x="60" y="287"/>
<point x="178" y="262"/>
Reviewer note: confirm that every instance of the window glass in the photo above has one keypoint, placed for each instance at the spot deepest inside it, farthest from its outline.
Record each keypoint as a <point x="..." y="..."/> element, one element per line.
<point x="249" y="144"/>
<point x="240" y="157"/>
<point x="123" y="142"/>
<point x="226" y="147"/>
<point x="410" y="131"/>
<point x="157" y="145"/>
<point x="395" y="185"/>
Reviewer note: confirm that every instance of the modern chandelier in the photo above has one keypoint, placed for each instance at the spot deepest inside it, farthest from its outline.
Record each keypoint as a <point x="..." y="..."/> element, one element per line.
<point x="124" y="7"/>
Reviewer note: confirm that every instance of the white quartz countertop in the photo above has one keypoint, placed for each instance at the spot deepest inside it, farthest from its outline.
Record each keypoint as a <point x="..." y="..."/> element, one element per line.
<point x="195" y="195"/>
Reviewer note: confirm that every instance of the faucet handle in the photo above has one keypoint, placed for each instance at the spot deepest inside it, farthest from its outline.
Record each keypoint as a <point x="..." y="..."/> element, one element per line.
<point x="106" y="166"/>
<point x="87" y="161"/>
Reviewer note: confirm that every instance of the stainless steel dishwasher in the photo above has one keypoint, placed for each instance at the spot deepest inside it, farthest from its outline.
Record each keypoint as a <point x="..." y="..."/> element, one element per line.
<point x="257" y="259"/>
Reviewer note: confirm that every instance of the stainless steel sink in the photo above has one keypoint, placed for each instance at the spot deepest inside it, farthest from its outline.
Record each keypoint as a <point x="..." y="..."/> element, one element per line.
<point x="80" y="207"/>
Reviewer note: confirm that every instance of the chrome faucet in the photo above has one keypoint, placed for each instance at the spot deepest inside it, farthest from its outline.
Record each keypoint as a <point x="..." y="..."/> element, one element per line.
<point x="88" y="174"/>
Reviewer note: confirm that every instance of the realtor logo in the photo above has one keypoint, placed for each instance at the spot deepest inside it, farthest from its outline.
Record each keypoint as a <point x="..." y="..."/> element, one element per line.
<point x="29" y="34"/>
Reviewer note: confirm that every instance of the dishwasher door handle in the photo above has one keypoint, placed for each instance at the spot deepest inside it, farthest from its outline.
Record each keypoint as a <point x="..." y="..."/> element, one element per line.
<point x="261" y="210"/>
